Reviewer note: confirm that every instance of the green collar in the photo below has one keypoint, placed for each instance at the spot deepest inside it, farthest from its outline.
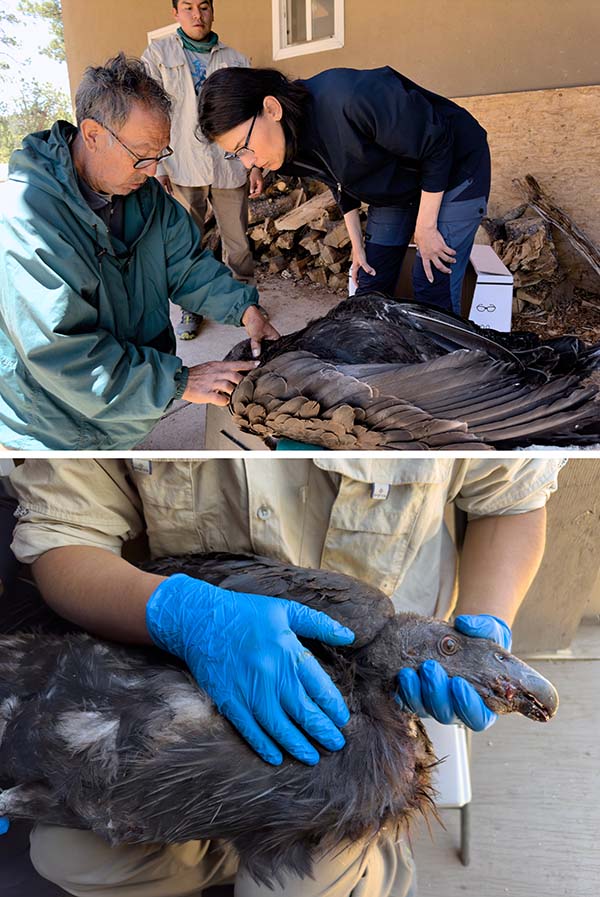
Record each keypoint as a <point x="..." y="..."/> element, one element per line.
<point x="198" y="46"/>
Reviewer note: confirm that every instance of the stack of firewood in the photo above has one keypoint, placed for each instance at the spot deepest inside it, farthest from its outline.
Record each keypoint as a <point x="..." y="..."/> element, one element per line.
<point x="523" y="240"/>
<point x="296" y="230"/>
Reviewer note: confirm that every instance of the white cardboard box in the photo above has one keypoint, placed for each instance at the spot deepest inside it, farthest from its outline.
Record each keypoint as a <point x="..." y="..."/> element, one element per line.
<point x="491" y="301"/>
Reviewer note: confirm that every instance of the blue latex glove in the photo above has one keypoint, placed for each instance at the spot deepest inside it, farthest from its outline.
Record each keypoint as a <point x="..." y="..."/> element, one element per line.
<point x="429" y="691"/>
<point x="243" y="651"/>
<point x="4" y="825"/>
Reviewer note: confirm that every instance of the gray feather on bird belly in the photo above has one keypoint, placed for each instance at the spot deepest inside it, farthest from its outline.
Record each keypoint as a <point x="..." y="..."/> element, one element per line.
<point x="122" y="741"/>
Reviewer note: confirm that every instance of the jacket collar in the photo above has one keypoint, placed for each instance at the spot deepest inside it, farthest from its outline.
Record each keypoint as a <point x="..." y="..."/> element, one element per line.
<point x="45" y="162"/>
<point x="172" y="53"/>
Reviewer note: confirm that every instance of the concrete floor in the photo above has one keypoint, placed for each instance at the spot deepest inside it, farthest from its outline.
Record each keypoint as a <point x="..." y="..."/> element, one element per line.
<point x="535" y="808"/>
<point x="290" y="306"/>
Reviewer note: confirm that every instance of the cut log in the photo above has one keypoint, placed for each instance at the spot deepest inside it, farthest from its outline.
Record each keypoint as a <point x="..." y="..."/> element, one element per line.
<point x="305" y="213"/>
<point x="262" y="234"/>
<point x="300" y="198"/>
<point x="318" y="275"/>
<point x="525" y="296"/>
<point x="286" y="240"/>
<point x="540" y="201"/>
<point x="323" y="220"/>
<point x="312" y="242"/>
<point x="272" y="207"/>
<point x="529" y="251"/>
<point x="298" y="266"/>
<point x="257" y="234"/>
<point x="337" y="282"/>
<point x="277" y="263"/>
<point x="496" y="227"/>
<point x="330" y="255"/>
<point x="337" y="236"/>
<point x="313" y="187"/>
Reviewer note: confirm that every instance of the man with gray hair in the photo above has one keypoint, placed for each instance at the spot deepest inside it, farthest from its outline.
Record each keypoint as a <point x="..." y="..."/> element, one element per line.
<point x="91" y="250"/>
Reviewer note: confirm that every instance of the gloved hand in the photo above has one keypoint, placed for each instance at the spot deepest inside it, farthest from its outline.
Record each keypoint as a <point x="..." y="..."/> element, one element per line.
<point x="243" y="651"/>
<point x="431" y="692"/>
<point x="4" y="825"/>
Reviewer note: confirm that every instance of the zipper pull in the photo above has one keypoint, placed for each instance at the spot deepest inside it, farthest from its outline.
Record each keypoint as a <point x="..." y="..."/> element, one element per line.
<point x="339" y="189"/>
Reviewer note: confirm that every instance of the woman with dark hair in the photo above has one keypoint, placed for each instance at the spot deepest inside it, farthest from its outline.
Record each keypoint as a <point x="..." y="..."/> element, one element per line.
<point x="419" y="161"/>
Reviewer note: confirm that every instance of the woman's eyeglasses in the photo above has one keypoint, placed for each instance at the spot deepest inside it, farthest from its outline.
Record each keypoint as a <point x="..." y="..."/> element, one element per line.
<point x="245" y="148"/>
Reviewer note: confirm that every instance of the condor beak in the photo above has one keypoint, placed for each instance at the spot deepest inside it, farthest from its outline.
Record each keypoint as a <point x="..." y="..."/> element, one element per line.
<point x="519" y="688"/>
<point x="537" y="698"/>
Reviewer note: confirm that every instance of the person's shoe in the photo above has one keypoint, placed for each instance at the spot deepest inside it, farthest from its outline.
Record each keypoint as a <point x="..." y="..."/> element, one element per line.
<point x="189" y="325"/>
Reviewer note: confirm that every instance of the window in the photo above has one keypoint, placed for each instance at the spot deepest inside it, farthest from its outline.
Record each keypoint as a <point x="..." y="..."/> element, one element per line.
<point x="307" y="26"/>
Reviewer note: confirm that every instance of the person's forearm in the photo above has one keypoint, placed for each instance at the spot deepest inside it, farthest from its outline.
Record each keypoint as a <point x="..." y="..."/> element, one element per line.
<point x="98" y="590"/>
<point x="429" y="209"/>
<point x="499" y="560"/>
<point x="352" y="221"/>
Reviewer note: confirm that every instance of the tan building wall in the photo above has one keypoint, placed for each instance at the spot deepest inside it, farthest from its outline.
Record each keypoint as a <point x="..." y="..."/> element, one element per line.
<point x="555" y="136"/>
<point x="568" y="582"/>
<point x="455" y="47"/>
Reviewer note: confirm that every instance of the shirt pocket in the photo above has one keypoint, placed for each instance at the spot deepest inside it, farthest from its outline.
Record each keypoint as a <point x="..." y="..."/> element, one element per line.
<point x="174" y="77"/>
<point x="167" y="493"/>
<point x="376" y="539"/>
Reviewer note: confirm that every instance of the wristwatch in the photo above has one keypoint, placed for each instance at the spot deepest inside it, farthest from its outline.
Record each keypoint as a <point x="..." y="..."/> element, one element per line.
<point x="263" y="311"/>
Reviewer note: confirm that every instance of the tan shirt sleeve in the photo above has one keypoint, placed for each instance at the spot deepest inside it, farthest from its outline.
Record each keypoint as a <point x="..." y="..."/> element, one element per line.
<point x="506" y="486"/>
<point x="73" y="502"/>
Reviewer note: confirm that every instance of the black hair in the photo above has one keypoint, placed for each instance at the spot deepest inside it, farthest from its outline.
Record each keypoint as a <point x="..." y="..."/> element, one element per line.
<point x="233" y="95"/>
<point x="108" y="92"/>
<point x="176" y="3"/>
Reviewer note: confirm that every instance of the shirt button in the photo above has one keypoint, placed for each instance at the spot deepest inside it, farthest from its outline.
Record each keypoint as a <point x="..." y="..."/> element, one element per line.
<point x="263" y="512"/>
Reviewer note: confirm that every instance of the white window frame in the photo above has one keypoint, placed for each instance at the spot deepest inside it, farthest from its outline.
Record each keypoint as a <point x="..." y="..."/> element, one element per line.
<point x="281" y="50"/>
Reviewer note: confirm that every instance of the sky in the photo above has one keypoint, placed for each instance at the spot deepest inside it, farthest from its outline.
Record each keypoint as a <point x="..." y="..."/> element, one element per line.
<point x="26" y="61"/>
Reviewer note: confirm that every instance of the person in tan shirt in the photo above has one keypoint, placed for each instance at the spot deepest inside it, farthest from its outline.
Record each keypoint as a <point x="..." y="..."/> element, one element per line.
<point x="380" y="520"/>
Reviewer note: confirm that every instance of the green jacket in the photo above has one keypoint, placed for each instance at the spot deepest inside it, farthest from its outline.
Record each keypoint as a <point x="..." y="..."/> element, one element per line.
<point x="87" y="351"/>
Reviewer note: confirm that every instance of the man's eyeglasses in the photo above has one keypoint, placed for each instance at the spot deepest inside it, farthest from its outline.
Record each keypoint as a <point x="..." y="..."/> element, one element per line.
<point x="139" y="161"/>
<point x="245" y="148"/>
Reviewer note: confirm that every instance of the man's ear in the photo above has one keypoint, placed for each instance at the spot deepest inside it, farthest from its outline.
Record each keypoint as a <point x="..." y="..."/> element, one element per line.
<point x="91" y="132"/>
<point x="273" y="108"/>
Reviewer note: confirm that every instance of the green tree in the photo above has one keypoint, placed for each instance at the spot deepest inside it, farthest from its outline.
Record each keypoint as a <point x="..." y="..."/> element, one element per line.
<point x="6" y="39"/>
<point x="51" y="11"/>
<point x="38" y="107"/>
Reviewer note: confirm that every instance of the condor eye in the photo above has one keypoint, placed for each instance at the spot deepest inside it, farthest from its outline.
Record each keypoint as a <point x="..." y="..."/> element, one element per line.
<point x="449" y="645"/>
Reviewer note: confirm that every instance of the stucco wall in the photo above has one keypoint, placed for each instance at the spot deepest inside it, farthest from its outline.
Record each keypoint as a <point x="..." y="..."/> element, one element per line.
<point x="455" y="47"/>
<point x="555" y="136"/>
<point x="566" y="587"/>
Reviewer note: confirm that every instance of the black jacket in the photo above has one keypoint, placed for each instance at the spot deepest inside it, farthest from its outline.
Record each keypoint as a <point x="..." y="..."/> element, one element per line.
<point x="375" y="136"/>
